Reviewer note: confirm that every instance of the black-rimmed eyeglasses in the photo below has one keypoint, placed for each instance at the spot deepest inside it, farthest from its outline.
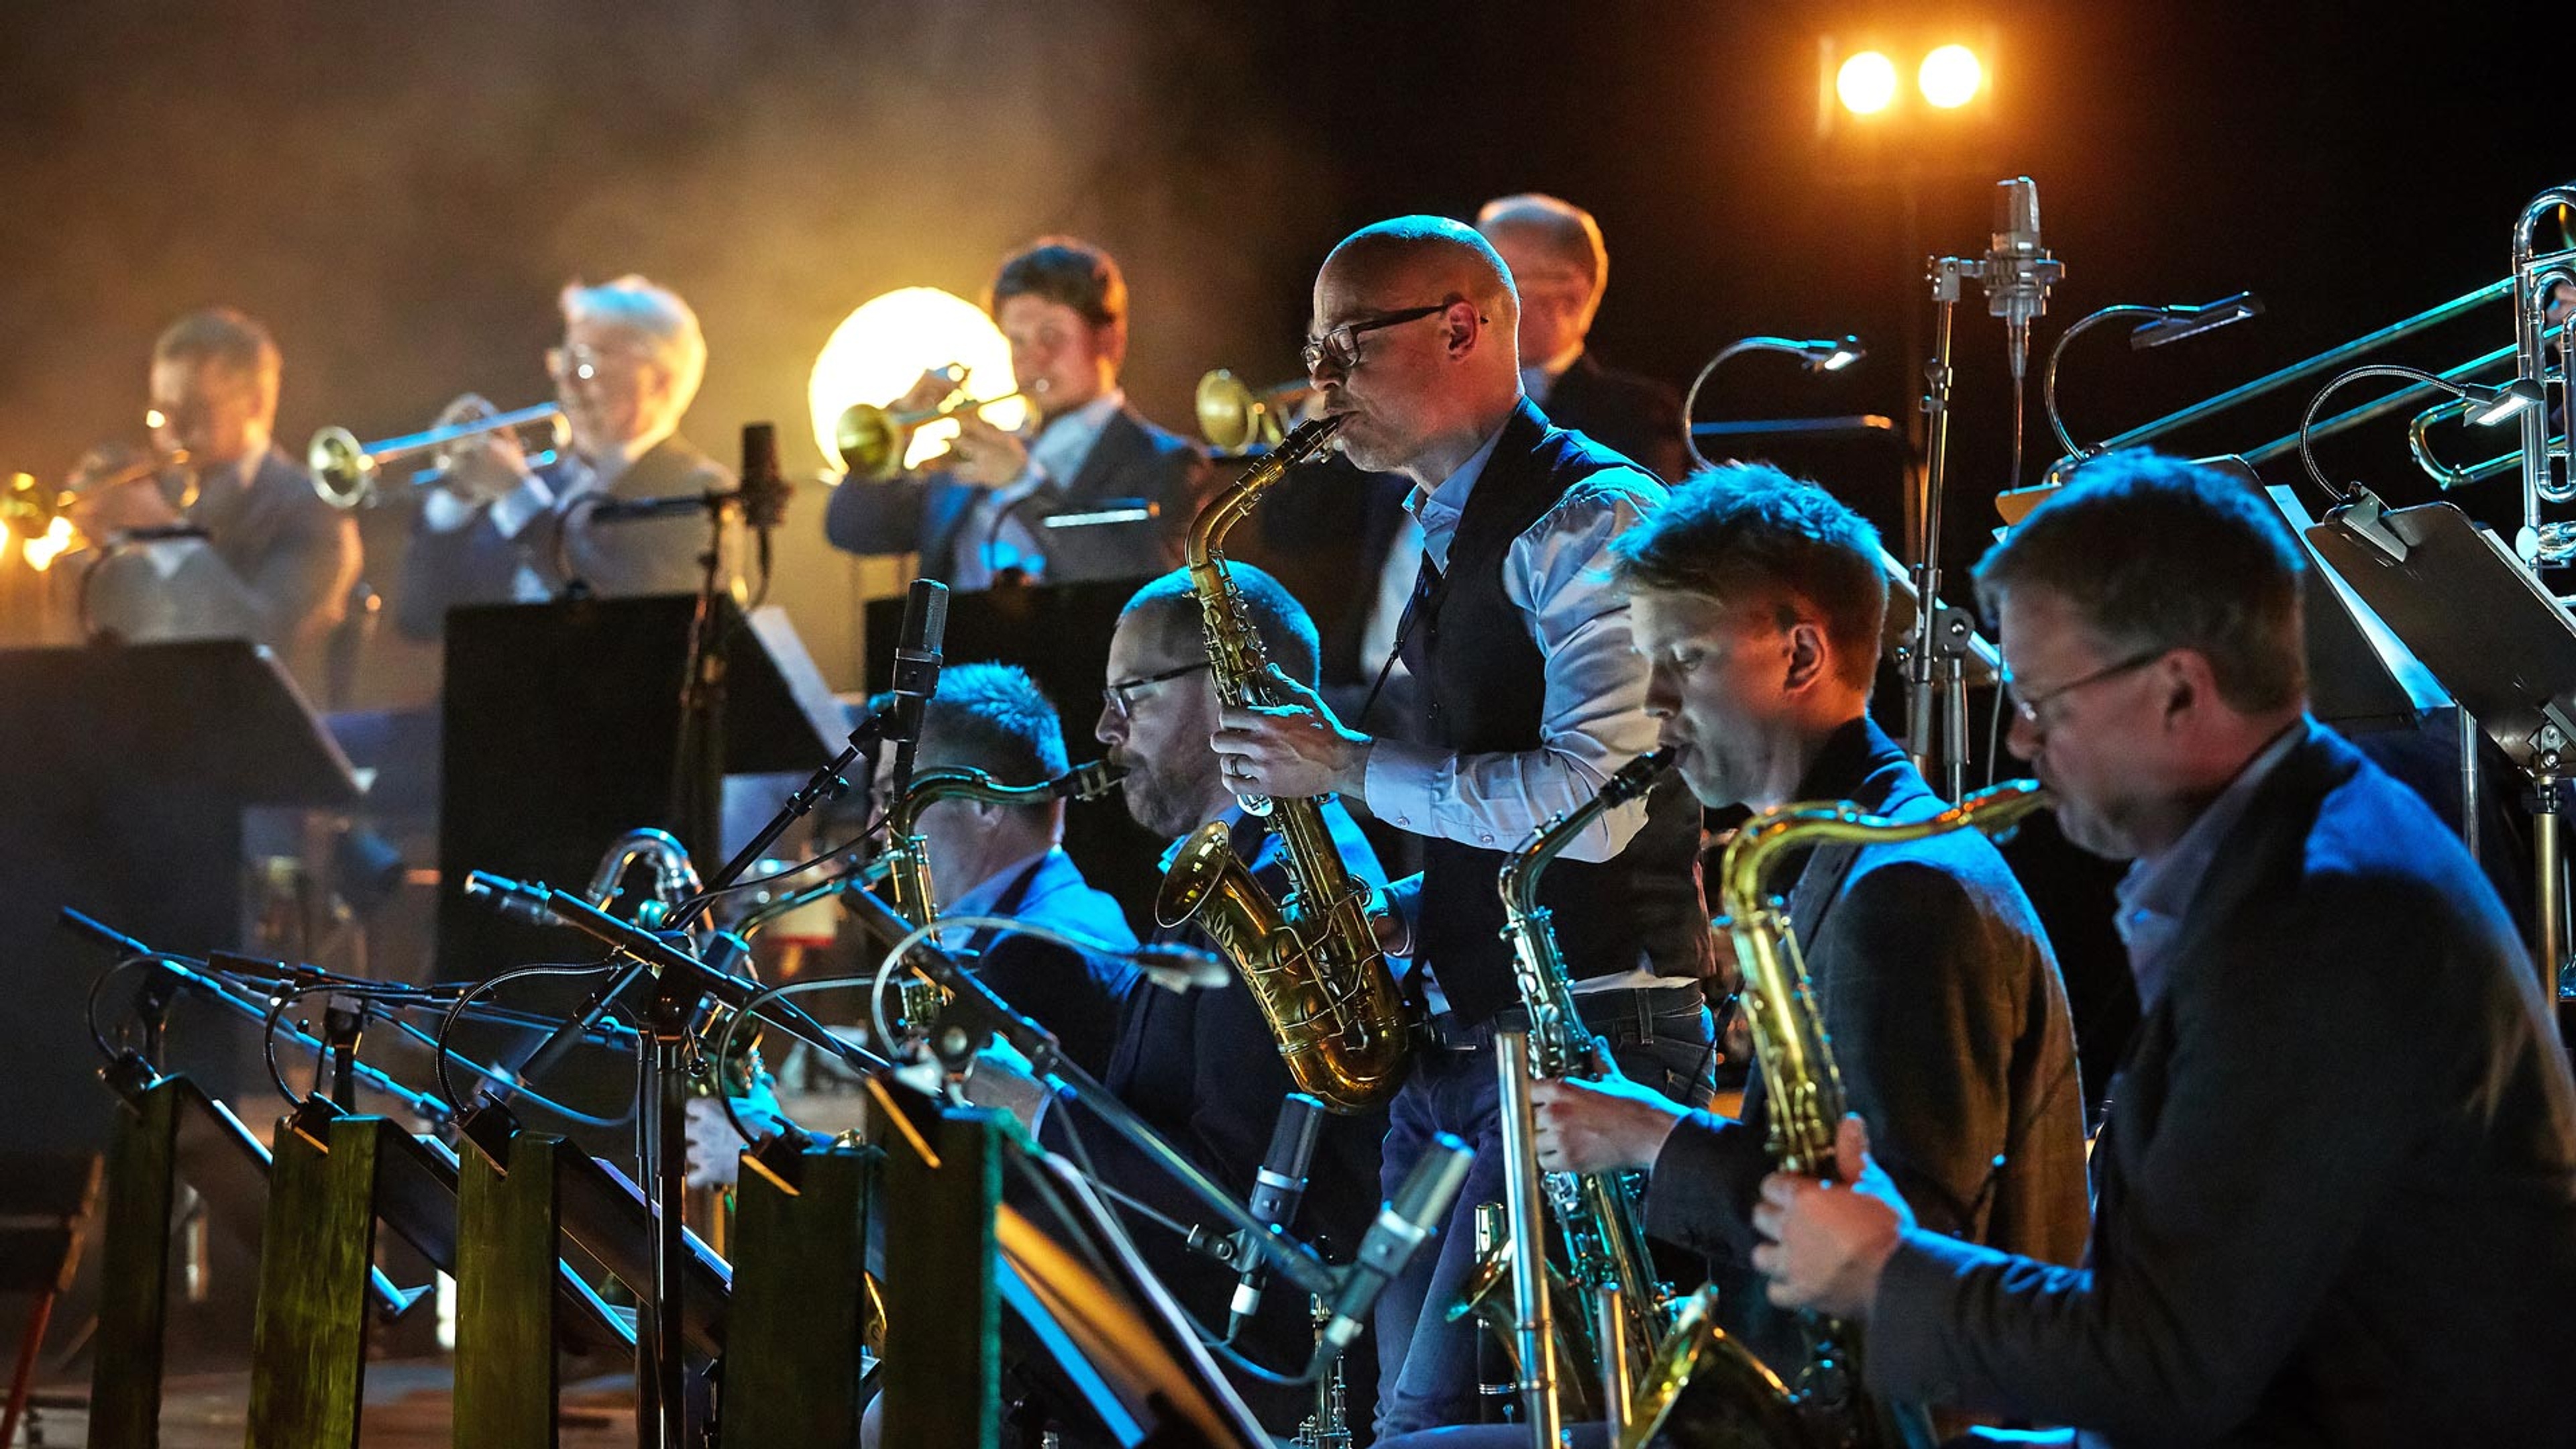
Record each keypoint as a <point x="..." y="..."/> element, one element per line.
<point x="1115" y="695"/>
<point x="1340" y="346"/>
<point x="2029" y="706"/>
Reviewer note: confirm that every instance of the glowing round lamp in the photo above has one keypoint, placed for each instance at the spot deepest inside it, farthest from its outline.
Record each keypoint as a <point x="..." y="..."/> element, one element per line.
<point x="1950" y="77"/>
<point x="879" y="351"/>
<point x="1866" y="83"/>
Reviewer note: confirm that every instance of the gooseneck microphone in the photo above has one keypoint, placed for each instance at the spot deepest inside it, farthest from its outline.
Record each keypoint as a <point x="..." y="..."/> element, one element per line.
<point x="1403" y="1225"/>
<point x="1276" y="1191"/>
<point x="2019" y="270"/>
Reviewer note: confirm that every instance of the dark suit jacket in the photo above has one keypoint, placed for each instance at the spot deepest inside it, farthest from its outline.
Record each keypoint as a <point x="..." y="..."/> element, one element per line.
<point x="1950" y="1028"/>
<point x="1624" y="412"/>
<point x="476" y="565"/>
<point x="1205" y="1072"/>
<point x="276" y="567"/>
<point x="927" y="513"/>
<point x="2338" y="1189"/>
<point x="1075" y="995"/>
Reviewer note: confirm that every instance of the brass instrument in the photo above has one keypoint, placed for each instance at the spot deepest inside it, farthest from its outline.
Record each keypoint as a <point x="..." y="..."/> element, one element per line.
<point x="1234" y="416"/>
<point x="1311" y="961"/>
<point x="906" y="858"/>
<point x="675" y="877"/>
<point x="870" y="440"/>
<point x="1599" y="1229"/>
<point x="41" y="516"/>
<point x="1824" y="1404"/>
<point x="350" y="474"/>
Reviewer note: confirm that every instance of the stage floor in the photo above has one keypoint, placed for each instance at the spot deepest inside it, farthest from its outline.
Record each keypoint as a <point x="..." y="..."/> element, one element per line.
<point x="407" y="1407"/>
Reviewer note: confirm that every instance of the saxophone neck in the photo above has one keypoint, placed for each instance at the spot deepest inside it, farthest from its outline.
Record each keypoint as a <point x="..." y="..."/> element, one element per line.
<point x="1523" y="867"/>
<point x="957" y="782"/>
<point x="1744" y="870"/>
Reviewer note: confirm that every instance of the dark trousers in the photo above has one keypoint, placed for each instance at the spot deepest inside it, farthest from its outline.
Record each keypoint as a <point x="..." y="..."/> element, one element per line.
<point x="1426" y="1364"/>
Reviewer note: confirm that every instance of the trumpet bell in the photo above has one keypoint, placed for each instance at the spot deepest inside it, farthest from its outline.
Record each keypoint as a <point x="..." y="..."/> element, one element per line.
<point x="342" y="472"/>
<point x="1230" y="415"/>
<point x="869" y="442"/>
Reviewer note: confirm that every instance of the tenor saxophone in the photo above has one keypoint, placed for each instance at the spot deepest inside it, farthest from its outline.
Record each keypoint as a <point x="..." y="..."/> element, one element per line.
<point x="1733" y="1397"/>
<point x="1599" y="1231"/>
<point x="1310" y="961"/>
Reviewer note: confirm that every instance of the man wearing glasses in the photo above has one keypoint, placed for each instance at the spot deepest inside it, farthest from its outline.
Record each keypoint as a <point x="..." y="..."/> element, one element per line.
<point x="502" y="527"/>
<point x="1531" y="697"/>
<point x="2336" y="1196"/>
<point x="1203" y="1068"/>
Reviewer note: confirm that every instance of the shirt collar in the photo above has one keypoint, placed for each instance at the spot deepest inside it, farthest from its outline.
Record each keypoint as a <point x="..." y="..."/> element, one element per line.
<point x="1438" y="509"/>
<point x="1068" y="438"/>
<point x="606" y="470"/>
<point x="2158" y="889"/>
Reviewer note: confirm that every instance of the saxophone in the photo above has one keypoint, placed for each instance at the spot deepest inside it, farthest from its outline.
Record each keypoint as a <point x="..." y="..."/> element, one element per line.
<point x="1744" y="1401"/>
<point x="1311" y="961"/>
<point x="1599" y="1230"/>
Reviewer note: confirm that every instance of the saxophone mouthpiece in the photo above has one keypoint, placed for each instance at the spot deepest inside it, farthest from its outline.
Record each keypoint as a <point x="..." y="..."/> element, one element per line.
<point x="1089" y="781"/>
<point x="1638" y="776"/>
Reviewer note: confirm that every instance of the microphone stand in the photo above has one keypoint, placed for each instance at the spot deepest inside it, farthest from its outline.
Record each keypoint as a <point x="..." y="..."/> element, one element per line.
<point x="1935" y="660"/>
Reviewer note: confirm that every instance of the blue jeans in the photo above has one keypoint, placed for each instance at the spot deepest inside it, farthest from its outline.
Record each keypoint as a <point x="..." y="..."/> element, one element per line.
<point x="1426" y="1364"/>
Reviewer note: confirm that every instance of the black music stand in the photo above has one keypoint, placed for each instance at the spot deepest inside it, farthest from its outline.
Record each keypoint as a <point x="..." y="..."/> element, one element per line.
<point x="132" y="766"/>
<point x="2497" y="640"/>
<point x="561" y="730"/>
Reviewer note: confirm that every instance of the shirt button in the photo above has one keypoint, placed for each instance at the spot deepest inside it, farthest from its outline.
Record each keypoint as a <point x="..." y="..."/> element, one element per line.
<point x="1404" y="820"/>
<point x="1486" y="838"/>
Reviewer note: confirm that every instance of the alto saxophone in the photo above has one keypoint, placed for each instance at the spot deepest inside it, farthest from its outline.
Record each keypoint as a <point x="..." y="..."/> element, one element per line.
<point x="1311" y="961"/>
<point x="1744" y="1401"/>
<point x="1598" y="1226"/>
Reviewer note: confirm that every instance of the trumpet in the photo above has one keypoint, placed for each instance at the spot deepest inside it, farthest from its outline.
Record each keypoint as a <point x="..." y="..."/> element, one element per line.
<point x="41" y="516"/>
<point x="872" y="440"/>
<point x="349" y="474"/>
<point x="1233" y="415"/>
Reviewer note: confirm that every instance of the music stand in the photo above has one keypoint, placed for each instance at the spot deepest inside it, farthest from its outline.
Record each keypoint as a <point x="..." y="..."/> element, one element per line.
<point x="2496" y="640"/>
<point x="133" y="764"/>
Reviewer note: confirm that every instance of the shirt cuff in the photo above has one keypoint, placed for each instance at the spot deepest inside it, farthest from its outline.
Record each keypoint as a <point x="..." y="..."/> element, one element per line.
<point x="520" y="507"/>
<point x="1403" y="779"/>
<point x="1403" y="902"/>
<point x="444" y="512"/>
<point x="169" y="555"/>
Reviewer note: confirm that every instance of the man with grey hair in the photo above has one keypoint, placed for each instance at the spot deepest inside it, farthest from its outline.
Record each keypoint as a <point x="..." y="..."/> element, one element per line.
<point x="501" y="529"/>
<point x="2336" y="1196"/>
<point x="275" y="562"/>
<point x="1531" y="695"/>
<point x="1561" y="267"/>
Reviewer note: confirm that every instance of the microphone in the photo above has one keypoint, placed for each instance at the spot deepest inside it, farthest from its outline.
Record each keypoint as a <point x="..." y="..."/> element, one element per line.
<point x="916" y="657"/>
<point x="1403" y="1225"/>
<point x="763" y="486"/>
<point x="2018" y="269"/>
<point x="1276" y="1191"/>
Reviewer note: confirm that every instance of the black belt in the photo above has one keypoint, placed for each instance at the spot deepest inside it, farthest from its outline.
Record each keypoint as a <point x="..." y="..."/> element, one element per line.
<point x="1600" y="1010"/>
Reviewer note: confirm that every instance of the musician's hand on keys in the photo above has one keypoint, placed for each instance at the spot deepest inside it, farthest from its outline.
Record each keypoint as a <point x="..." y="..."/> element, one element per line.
<point x="1609" y="1124"/>
<point x="984" y="455"/>
<point x="1825" y="1244"/>
<point x="482" y="469"/>
<point x="1289" y="750"/>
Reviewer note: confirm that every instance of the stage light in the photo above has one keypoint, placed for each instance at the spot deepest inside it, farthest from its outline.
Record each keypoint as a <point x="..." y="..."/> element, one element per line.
<point x="1866" y="83"/>
<point x="153" y="418"/>
<point x="1950" y="77"/>
<point x="879" y="351"/>
<point x="40" y="552"/>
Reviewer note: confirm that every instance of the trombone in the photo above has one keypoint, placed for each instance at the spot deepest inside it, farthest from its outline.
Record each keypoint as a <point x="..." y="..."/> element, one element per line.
<point x="349" y="474"/>
<point x="1235" y="416"/>
<point x="872" y="439"/>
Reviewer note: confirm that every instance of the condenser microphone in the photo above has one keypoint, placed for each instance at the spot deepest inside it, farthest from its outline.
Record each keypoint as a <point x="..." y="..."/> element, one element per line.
<point x="1276" y="1191"/>
<point x="763" y="486"/>
<point x="2019" y="270"/>
<point x="1403" y="1225"/>
<point x="916" y="673"/>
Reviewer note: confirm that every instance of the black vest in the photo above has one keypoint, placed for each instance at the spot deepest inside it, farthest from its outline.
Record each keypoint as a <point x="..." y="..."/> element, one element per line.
<point x="1484" y="687"/>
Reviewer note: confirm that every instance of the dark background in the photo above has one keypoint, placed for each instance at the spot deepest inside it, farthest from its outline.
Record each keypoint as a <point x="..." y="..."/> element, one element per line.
<point x="400" y="190"/>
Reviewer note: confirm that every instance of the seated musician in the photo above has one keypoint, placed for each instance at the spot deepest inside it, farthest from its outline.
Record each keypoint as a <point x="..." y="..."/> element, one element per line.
<point x="2337" y="1188"/>
<point x="498" y="530"/>
<point x="981" y="509"/>
<point x="1758" y="604"/>
<point x="276" y="563"/>
<point x="992" y="860"/>
<point x="1203" y="1068"/>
